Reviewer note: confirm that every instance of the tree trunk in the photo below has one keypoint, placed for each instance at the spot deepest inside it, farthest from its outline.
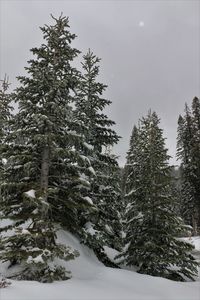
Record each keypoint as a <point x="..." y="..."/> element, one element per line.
<point x="45" y="173"/>
<point x="47" y="239"/>
<point x="194" y="225"/>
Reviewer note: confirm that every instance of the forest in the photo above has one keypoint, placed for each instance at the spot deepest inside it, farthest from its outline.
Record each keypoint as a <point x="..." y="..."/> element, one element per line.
<point x="58" y="171"/>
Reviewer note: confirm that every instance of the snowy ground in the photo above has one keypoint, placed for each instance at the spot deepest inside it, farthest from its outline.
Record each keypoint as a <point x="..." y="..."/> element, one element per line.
<point x="92" y="281"/>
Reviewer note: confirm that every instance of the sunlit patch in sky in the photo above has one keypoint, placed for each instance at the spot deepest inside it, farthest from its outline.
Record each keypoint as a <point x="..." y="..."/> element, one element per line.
<point x="141" y="24"/>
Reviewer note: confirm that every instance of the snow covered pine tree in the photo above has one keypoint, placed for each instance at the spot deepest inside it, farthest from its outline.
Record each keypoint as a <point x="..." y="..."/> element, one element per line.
<point x="153" y="228"/>
<point x="5" y="115"/>
<point x="188" y="151"/>
<point x="103" y="227"/>
<point x="130" y="166"/>
<point x="44" y="174"/>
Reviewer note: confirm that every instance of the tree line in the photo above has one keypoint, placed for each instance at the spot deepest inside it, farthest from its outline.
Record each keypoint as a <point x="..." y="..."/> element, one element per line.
<point x="58" y="171"/>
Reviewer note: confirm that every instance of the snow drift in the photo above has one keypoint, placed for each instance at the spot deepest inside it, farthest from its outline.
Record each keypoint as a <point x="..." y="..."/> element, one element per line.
<point x="93" y="281"/>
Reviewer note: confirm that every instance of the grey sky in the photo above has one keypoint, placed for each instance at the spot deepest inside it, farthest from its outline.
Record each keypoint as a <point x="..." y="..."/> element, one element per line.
<point x="153" y="66"/>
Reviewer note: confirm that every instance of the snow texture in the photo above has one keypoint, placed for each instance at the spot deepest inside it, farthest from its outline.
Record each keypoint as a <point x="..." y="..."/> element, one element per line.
<point x="93" y="281"/>
<point x="30" y="193"/>
<point x="88" y="199"/>
<point x="92" y="170"/>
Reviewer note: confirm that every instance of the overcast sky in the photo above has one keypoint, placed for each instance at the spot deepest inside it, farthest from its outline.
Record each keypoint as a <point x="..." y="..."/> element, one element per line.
<point x="150" y="53"/>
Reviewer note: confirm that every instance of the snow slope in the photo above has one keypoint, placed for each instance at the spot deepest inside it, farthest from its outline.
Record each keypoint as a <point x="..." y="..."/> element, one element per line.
<point x="93" y="281"/>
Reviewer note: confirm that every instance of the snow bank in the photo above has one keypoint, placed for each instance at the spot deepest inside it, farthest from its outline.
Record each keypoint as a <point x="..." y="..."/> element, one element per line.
<point x="92" y="281"/>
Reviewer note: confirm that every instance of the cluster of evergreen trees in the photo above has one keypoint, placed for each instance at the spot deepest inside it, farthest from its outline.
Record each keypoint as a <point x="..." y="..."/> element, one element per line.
<point x="57" y="170"/>
<point x="152" y="223"/>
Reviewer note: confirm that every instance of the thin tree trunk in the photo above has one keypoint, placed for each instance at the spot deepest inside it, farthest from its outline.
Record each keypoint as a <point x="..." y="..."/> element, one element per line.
<point x="45" y="172"/>
<point x="194" y="225"/>
<point x="44" y="184"/>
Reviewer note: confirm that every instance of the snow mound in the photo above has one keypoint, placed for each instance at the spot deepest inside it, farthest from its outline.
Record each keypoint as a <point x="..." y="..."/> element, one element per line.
<point x="86" y="266"/>
<point x="93" y="281"/>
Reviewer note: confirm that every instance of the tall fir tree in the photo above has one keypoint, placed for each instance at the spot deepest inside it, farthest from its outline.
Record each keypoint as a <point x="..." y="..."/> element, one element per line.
<point x="128" y="176"/>
<point x="5" y="114"/>
<point x="188" y="151"/>
<point x="5" y="118"/>
<point x="130" y="165"/>
<point x="104" y="223"/>
<point x="152" y="226"/>
<point x="46" y="179"/>
<point x="196" y="158"/>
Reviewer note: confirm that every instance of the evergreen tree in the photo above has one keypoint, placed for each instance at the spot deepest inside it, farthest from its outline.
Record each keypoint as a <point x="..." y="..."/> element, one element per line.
<point x="176" y="190"/>
<point x="5" y="114"/>
<point x="129" y="175"/>
<point x="188" y="151"/>
<point x="46" y="178"/>
<point x="5" y="117"/>
<point x="130" y="166"/>
<point x="105" y="189"/>
<point x="196" y="158"/>
<point x="183" y="151"/>
<point x="152" y="226"/>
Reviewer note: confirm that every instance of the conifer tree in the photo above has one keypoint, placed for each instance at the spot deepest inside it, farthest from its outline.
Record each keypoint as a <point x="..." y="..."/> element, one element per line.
<point x="5" y="114"/>
<point x="5" y="117"/>
<point x="196" y="158"/>
<point x="183" y="151"/>
<point x="105" y="189"/>
<point x="176" y="190"/>
<point x="130" y="166"/>
<point x="46" y="177"/>
<point x="188" y="151"/>
<point x="129" y="175"/>
<point x="153" y="227"/>
<point x="130" y="178"/>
